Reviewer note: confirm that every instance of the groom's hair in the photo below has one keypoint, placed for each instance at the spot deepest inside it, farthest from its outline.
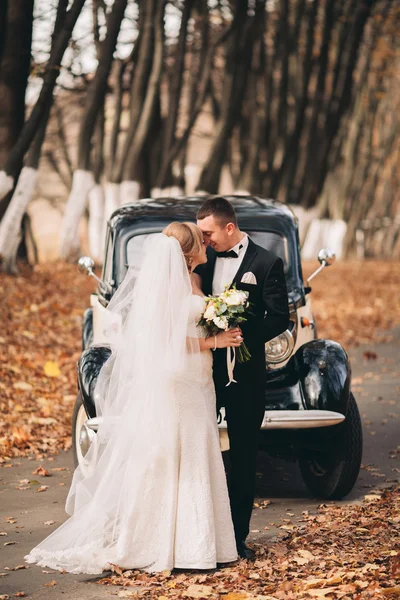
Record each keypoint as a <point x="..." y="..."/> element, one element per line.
<point x="220" y="208"/>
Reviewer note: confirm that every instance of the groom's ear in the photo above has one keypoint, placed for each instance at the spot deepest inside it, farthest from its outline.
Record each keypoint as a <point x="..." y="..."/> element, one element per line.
<point x="230" y="228"/>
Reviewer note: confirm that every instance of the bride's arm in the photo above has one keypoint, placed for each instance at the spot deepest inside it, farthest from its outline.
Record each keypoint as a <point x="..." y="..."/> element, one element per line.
<point x="208" y="343"/>
<point x="232" y="337"/>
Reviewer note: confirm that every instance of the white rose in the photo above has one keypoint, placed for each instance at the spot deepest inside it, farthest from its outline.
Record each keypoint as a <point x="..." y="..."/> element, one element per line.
<point x="221" y="322"/>
<point x="209" y="313"/>
<point x="235" y="299"/>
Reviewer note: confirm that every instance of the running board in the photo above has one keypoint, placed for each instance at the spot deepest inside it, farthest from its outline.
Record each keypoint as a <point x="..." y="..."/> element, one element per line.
<point x="294" y="419"/>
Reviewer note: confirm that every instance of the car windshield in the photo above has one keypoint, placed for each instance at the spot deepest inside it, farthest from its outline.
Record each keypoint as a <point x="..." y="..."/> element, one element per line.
<point x="270" y="240"/>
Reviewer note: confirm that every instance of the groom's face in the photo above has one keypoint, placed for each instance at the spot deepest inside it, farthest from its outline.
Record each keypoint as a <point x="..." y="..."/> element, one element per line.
<point x="216" y="235"/>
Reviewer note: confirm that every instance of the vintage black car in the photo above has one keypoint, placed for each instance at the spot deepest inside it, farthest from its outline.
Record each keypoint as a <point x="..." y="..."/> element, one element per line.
<point x="310" y="412"/>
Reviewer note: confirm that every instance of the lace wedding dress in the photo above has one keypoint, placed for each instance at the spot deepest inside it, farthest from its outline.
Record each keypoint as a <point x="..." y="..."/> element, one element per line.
<point x="204" y="532"/>
<point x="157" y="496"/>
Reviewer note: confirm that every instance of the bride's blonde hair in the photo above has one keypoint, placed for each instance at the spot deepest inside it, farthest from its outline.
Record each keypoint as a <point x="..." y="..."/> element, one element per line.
<point x="190" y="238"/>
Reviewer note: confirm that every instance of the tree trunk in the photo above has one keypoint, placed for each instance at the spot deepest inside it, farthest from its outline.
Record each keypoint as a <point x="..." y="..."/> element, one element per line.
<point x="63" y="141"/>
<point x="94" y="105"/>
<point x="236" y="72"/>
<point x="284" y="74"/>
<point x="343" y="98"/>
<point x="175" y="92"/>
<point x="249" y="179"/>
<point x="116" y="124"/>
<point x="291" y="151"/>
<point x="98" y="87"/>
<point x="312" y="146"/>
<point x="270" y="125"/>
<point x="148" y="110"/>
<point x="140" y="80"/>
<point x="82" y="183"/>
<point x="204" y="76"/>
<point x="96" y="222"/>
<point x="16" y="18"/>
<point x="30" y="128"/>
<point x="10" y="227"/>
<point x="96" y="194"/>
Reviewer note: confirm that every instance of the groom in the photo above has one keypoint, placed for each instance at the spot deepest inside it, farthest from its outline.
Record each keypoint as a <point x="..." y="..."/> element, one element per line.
<point x="233" y="258"/>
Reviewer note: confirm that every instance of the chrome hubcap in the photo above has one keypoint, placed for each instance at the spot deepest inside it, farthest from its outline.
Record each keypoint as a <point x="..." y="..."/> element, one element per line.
<point x="84" y="437"/>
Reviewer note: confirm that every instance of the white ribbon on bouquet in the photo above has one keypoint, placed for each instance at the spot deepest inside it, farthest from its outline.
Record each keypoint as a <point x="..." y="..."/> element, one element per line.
<point x="230" y="363"/>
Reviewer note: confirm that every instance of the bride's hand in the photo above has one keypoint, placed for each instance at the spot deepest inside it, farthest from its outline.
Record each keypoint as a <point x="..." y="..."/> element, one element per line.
<point x="232" y="337"/>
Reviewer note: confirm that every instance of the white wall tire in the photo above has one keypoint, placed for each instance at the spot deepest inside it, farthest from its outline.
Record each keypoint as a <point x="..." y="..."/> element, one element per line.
<point x="82" y="437"/>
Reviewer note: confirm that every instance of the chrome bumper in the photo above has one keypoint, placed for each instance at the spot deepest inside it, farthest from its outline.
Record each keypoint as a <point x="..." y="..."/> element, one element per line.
<point x="294" y="419"/>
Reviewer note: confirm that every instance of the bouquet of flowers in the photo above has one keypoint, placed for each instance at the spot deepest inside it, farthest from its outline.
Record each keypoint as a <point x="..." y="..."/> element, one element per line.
<point x="227" y="311"/>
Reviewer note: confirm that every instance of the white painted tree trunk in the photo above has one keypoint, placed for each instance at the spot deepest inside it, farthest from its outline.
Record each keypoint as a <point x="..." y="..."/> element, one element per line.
<point x="242" y="192"/>
<point x="82" y="183"/>
<point x="96" y="219"/>
<point x="112" y="199"/>
<point x="324" y="233"/>
<point x="129" y="191"/>
<point x="167" y="192"/>
<point x="111" y="203"/>
<point x="6" y="184"/>
<point x="10" y="226"/>
<point x="305" y="218"/>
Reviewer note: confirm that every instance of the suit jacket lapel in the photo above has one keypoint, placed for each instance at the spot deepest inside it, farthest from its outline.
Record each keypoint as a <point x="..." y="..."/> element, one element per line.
<point x="248" y="258"/>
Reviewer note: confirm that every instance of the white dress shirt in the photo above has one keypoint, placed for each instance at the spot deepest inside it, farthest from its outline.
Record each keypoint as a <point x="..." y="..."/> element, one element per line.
<point x="226" y="268"/>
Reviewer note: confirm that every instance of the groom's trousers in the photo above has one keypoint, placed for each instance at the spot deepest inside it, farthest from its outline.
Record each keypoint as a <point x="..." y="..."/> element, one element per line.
<point x="244" y="404"/>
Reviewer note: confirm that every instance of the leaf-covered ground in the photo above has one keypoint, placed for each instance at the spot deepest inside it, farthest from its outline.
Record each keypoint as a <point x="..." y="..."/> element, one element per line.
<point x="342" y="552"/>
<point x="355" y="301"/>
<point x="40" y="341"/>
<point x="41" y="313"/>
<point x="347" y="552"/>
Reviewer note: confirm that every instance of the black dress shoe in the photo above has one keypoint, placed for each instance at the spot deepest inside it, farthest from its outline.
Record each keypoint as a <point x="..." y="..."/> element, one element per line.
<point x="226" y="565"/>
<point x="245" y="552"/>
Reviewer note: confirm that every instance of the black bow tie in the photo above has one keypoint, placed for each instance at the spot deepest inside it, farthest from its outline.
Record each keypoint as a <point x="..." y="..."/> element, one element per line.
<point x="229" y="254"/>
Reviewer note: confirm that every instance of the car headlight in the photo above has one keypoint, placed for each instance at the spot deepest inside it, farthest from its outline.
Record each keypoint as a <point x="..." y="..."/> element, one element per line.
<point x="279" y="348"/>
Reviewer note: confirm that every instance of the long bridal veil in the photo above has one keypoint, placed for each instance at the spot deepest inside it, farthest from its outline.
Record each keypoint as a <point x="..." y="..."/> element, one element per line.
<point x="127" y="493"/>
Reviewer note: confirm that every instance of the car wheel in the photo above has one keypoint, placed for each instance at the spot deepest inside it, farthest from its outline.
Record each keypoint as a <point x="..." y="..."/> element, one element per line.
<point x="82" y="437"/>
<point x="333" y="473"/>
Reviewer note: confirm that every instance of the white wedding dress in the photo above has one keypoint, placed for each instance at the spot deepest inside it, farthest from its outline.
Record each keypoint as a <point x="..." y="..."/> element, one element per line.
<point x="157" y="495"/>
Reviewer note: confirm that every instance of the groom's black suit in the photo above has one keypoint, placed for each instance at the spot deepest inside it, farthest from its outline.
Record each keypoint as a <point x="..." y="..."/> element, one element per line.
<point x="244" y="401"/>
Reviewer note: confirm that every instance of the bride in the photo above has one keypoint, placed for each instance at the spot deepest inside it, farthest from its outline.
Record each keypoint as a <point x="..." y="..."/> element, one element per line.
<point x="155" y="496"/>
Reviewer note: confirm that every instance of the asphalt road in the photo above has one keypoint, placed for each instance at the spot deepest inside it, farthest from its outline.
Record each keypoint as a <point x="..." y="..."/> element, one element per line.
<point x="27" y="516"/>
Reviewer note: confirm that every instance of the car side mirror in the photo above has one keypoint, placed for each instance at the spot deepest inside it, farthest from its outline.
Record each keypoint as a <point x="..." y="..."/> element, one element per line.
<point x="326" y="257"/>
<point x="86" y="265"/>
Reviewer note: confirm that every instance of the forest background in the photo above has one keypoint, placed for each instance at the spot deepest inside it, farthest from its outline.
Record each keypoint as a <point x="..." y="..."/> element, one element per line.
<point x="108" y="101"/>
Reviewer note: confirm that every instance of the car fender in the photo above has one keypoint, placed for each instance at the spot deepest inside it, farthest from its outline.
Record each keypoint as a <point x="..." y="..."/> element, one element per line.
<point x="325" y="375"/>
<point x="87" y="328"/>
<point x="89" y="366"/>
